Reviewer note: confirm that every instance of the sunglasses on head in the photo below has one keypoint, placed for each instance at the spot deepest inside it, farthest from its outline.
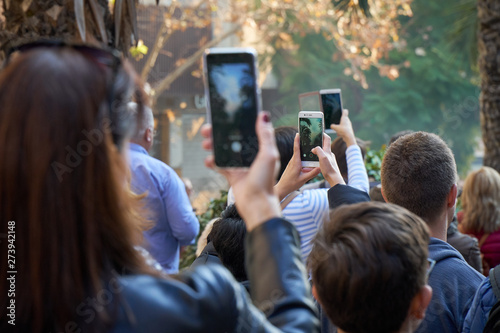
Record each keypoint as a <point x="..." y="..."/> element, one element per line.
<point x="105" y="58"/>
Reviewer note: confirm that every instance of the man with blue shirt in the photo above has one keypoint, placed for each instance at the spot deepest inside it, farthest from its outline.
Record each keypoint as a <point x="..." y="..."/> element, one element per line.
<point x="166" y="200"/>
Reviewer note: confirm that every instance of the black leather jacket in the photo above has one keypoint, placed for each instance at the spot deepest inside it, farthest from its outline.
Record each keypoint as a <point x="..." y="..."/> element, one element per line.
<point x="208" y="299"/>
<point x="466" y="245"/>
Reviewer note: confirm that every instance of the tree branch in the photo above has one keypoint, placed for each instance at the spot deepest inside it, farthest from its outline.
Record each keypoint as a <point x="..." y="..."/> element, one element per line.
<point x="169" y="79"/>
<point x="161" y="39"/>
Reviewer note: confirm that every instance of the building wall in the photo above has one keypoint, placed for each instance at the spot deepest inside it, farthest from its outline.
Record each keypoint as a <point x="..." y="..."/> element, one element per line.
<point x="206" y="182"/>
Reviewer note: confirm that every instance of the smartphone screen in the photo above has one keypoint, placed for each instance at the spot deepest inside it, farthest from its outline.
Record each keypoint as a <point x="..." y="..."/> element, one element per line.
<point x="233" y="98"/>
<point x="311" y="136"/>
<point x="332" y="108"/>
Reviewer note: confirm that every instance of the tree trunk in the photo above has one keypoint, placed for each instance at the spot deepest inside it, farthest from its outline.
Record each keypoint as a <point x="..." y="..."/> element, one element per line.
<point x="489" y="67"/>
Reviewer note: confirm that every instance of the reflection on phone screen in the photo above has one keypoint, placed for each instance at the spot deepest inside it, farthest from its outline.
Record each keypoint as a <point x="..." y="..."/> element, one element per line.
<point x="311" y="136"/>
<point x="332" y="108"/>
<point x="233" y="107"/>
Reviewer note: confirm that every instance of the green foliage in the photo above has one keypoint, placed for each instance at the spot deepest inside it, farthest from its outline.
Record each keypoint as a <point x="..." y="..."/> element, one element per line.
<point x="463" y="35"/>
<point x="436" y="90"/>
<point x="214" y="210"/>
<point x="373" y="162"/>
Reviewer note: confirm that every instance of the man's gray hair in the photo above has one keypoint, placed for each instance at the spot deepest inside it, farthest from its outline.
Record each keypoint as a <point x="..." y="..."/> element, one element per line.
<point x="143" y="120"/>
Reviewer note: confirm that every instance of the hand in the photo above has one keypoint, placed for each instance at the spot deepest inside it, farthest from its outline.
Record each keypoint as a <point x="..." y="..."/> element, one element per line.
<point x="344" y="129"/>
<point x="253" y="188"/>
<point x="328" y="163"/>
<point x="294" y="176"/>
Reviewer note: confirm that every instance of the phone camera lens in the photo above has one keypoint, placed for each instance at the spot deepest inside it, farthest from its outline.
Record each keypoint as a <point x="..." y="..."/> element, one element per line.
<point x="236" y="146"/>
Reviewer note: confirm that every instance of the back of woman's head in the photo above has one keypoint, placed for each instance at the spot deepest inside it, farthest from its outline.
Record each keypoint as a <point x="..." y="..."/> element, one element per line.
<point x="339" y="148"/>
<point x="285" y="136"/>
<point x="228" y="237"/>
<point x="63" y="182"/>
<point x="481" y="201"/>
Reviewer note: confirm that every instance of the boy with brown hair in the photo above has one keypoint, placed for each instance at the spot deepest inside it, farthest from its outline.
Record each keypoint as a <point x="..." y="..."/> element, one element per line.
<point x="369" y="266"/>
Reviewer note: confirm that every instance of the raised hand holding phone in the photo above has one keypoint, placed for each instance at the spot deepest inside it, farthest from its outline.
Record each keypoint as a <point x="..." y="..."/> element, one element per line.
<point x="294" y="176"/>
<point x="328" y="162"/>
<point x="344" y="129"/>
<point x="253" y="189"/>
<point x="233" y="102"/>
<point x="331" y="106"/>
<point x="311" y="128"/>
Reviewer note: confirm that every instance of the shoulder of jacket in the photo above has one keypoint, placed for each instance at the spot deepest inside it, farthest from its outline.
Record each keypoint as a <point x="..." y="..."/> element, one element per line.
<point x="156" y="303"/>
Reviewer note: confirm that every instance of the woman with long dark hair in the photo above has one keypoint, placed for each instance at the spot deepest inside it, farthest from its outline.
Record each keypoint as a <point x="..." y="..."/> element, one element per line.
<point x="64" y="195"/>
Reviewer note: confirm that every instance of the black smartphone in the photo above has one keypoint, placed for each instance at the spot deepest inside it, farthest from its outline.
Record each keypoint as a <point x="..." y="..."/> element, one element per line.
<point x="233" y="102"/>
<point x="331" y="105"/>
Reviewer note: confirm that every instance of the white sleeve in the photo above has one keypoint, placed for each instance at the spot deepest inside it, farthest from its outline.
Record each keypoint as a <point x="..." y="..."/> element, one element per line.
<point x="356" y="170"/>
<point x="230" y="196"/>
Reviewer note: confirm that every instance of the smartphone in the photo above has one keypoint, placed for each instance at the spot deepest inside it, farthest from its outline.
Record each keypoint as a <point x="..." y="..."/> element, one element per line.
<point x="233" y="102"/>
<point x="331" y="106"/>
<point x="311" y="127"/>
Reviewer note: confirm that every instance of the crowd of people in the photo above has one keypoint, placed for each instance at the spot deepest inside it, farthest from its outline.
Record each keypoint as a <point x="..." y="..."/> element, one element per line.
<point x="99" y="223"/>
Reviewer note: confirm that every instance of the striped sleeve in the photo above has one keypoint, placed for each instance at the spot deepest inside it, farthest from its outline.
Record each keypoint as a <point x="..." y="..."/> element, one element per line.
<point x="356" y="170"/>
<point x="306" y="212"/>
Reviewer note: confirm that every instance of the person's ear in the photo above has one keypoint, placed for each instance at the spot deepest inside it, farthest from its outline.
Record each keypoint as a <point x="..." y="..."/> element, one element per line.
<point x="315" y="292"/>
<point x="452" y="196"/>
<point x="420" y="302"/>
<point x="382" y="192"/>
<point x="148" y="135"/>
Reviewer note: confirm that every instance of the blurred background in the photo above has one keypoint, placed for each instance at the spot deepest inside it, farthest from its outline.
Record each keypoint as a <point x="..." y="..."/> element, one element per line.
<point x="401" y="64"/>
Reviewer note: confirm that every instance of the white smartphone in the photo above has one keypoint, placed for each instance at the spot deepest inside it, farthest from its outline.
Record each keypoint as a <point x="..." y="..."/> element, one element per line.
<point x="331" y="106"/>
<point x="311" y="128"/>
<point x="233" y="102"/>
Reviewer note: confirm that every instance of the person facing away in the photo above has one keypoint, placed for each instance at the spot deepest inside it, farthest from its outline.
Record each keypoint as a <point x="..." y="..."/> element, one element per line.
<point x="64" y="189"/>
<point x="225" y="245"/>
<point x="166" y="200"/>
<point x="480" y="200"/>
<point x="419" y="174"/>
<point x="481" y="213"/>
<point x="308" y="208"/>
<point x="339" y="149"/>
<point x="466" y="245"/>
<point x="369" y="268"/>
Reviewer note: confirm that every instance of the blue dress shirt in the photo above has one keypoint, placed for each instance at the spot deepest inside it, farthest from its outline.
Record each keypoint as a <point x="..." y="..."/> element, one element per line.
<point x="168" y="207"/>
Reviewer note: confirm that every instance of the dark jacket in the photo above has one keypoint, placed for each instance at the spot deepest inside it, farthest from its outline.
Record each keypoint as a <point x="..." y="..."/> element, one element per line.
<point x="208" y="299"/>
<point x="453" y="284"/>
<point x="345" y="195"/>
<point x="466" y="245"/>
<point x="207" y="256"/>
